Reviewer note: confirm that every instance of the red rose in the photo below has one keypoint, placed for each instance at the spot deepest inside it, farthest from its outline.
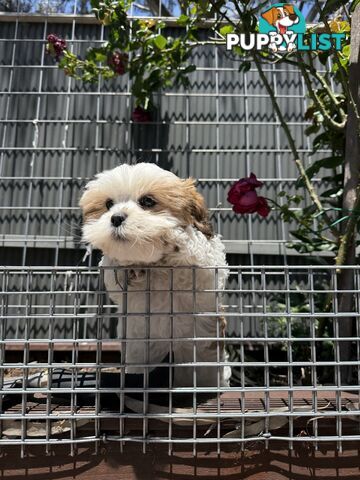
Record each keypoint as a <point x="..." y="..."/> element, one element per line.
<point x="118" y="62"/>
<point x="242" y="186"/>
<point x="55" y="46"/>
<point x="139" y="115"/>
<point x="243" y="197"/>
<point x="246" y="203"/>
<point x="263" y="208"/>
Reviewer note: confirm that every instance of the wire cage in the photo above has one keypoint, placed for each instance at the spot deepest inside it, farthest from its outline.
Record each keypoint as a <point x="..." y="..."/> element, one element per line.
<point x="287" y="382"/>
<point x="65" y="377"/>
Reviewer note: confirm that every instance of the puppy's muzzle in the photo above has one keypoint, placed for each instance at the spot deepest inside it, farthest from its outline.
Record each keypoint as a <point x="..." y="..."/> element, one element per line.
<point x="293" y="17"/>
<point x="118" y="219"/>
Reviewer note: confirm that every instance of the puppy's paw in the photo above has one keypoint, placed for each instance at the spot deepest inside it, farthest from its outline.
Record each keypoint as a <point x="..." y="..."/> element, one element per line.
<point x="291" y="47"/>
<point x="273" y="47"/>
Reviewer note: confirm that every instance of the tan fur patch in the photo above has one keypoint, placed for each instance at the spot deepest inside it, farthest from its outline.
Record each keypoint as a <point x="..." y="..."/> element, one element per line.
<point x="184" y="203"/>
<point x="289" y="9"/>
<point x="270" y="15"/>
<point x="92" y="204"/>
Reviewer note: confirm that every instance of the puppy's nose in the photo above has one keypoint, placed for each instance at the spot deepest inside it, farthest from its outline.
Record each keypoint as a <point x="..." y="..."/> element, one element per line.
<point x="118" y="219"/>
<point x="293" y="17"/>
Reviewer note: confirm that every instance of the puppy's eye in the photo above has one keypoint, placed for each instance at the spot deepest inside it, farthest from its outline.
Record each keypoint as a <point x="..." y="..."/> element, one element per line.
<point x="147" y="202"/>
<point x="109" y="203"/>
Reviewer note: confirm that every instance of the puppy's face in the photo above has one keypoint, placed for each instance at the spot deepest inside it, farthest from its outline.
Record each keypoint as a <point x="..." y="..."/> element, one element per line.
<point x="131" y="211"/>
<point x="281" y="17"/>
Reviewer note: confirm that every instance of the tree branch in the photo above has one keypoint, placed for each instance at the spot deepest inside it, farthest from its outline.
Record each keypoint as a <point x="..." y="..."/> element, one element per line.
<point x="293" y="149"/>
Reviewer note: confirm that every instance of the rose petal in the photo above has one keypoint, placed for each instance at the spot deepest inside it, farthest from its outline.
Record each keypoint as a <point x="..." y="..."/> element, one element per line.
<point x="263" y="208"/>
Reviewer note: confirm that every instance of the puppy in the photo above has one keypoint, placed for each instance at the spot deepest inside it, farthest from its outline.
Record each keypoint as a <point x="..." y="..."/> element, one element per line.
<point x="143" y="216"/>
<point x="281" y="18"/>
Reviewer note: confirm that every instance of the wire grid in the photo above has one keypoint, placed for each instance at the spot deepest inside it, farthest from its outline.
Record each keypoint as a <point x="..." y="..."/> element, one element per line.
<point x="56" y="133"/>
<point x="297" y="397"/>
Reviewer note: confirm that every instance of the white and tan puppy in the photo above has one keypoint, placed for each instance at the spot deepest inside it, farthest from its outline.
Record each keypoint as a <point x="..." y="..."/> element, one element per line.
<point x="142" y="216"/>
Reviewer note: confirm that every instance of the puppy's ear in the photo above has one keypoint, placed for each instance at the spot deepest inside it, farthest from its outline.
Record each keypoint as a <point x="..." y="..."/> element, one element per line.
<point x="92" y="203"/>
<point x="289" y="9"/>
<point x="197" y="209"/>
<point x="270" y="15"/>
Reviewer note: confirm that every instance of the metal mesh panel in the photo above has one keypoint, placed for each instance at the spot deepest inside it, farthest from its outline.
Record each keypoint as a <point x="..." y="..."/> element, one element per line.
<point x="286" y="381"/>
<point x="56" y="133"/>
<point x="63" y="343"/>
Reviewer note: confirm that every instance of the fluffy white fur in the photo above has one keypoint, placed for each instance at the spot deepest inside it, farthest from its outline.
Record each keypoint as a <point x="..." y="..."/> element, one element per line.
<point x="160" y="240"/>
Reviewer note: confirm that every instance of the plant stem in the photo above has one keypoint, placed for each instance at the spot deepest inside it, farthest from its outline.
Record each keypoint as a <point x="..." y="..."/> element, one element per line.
<point x="293" y="148"/>
<point x="344" y="80"/>
<point x="318" y="102"/>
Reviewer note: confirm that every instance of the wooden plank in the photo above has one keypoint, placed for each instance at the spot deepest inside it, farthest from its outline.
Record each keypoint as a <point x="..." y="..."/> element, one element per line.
<point x="255" y="463"/>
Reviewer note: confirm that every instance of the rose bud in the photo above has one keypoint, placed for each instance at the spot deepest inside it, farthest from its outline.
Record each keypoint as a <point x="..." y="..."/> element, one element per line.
<point x="55" y="46"/>
<point x="118" y="62"/>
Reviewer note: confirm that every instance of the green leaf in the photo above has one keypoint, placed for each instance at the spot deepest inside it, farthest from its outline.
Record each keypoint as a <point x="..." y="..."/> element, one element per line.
<point x="160" y="42"/>
<point x="312" y="129"/>
<point x="346" y="51"/>
<point x="245" y="66"/>
<point x="189" y="69"/>
<point x="183" y="20"/>
<point x="226" y="29"/>
<point x="332" y="192"/>
<point x="301" y="237"/>
<point x="328" y="162"/>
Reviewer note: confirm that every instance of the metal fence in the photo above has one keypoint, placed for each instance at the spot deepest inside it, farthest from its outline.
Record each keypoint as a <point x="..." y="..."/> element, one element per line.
<point x="286" y="381"/>
<point x="55" y="133"/>
<point x="63" y="343"/>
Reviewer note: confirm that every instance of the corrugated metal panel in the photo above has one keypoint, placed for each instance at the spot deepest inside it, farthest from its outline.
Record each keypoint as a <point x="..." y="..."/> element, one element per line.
<point x="55" y="133"/>
<point x="223" y="128"/>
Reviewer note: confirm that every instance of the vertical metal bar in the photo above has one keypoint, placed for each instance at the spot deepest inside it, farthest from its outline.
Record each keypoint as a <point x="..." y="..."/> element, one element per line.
<point x="337" y="358"/>
<point x="289" y="352"/>
<point x="253" y="321"/>
<point x="35" y="146"/>
<point x="63" y="155"/>
<point x="313" y="356"/>
<point x="3" y="322"/>
<point x="28" y="302"/>
<point x="194" y="385"/>
<point x="171" y="361"/>
<point x="147" y="318"/>
<point x="242" y="355"/>
<point x="218" y="360"/>
<point x="98" y="360"/>
<point x="279" y="175"/>
<point x="74" y="372"/>
<point x="266" y="358"/>
<point x="123" y="320"/>
<point x="50" y="355"/>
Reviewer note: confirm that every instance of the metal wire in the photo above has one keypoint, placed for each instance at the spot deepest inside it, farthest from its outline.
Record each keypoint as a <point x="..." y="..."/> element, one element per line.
<point x="216" y="131"/>
<point x="283" y="338"/>
<point x="273" y="397"/>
